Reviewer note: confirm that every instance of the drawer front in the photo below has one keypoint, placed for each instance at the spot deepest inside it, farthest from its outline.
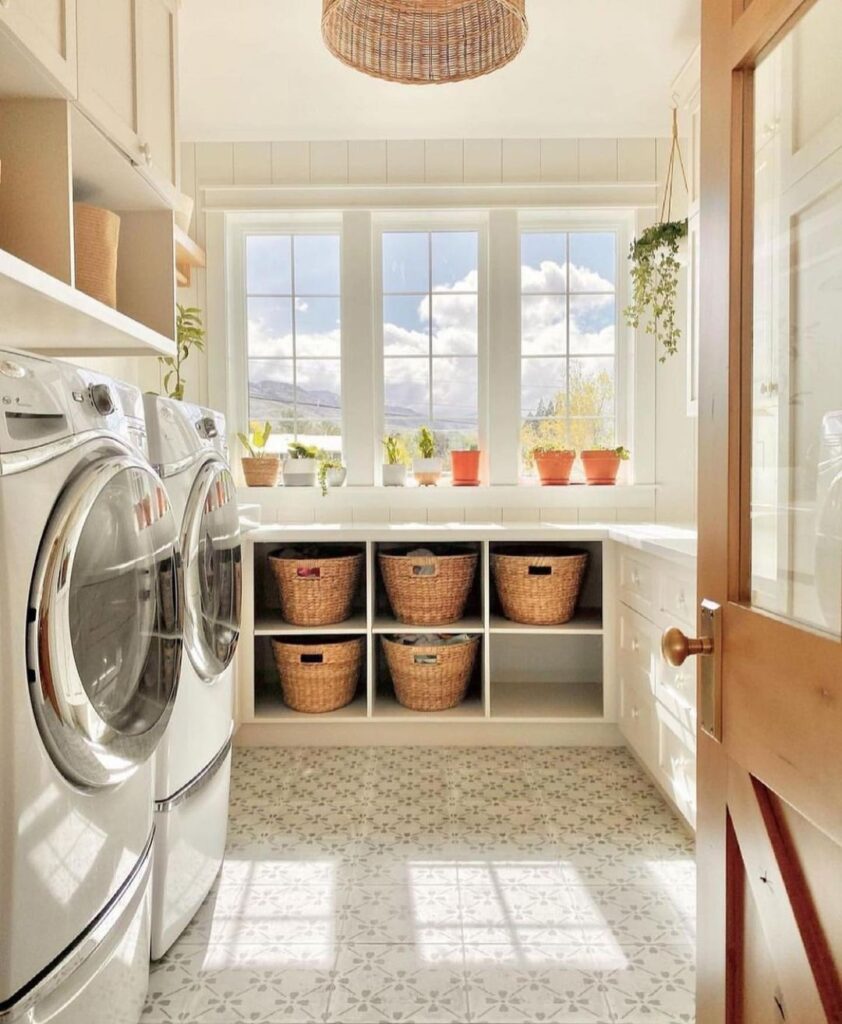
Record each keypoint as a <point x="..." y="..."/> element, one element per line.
<point x="637" y="583"/>
<point x="638" y="720"/>
<point x="677" y="598"/>
<point x="637" y="638"/>
<point x="677" y="765"/>
<point x="676" y="690"/>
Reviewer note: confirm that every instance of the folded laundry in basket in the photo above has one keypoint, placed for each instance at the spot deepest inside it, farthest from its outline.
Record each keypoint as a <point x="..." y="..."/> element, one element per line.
<point x="432" y="639"/>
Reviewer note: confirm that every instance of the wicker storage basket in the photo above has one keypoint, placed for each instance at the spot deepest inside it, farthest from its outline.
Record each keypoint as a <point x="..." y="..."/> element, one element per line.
<point x="316" y="591"/>
<point x="96" y="233"/>
<point x="428" y="589"/>
<point x="539" y="590"/>
<point x="431" y="678"/>
<point x="318" y="677"/>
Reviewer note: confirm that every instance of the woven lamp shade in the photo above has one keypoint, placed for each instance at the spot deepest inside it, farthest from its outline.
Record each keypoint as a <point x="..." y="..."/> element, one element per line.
<point x="423" y="42"/>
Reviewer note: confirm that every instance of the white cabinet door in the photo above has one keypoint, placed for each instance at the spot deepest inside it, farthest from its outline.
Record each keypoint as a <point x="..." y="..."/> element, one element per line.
<point x="107" y="47"/>
<point x="47" y="30"/>
<point x="156" y="68"/>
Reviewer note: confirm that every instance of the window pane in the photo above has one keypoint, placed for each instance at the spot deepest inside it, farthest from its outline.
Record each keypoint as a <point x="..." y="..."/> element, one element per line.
<point x="405" y="327"/>
<point x="455" y="260"/>
<point x="269" y="327"/>
<point x="406" y="261"/>
<point x="593" y="261"/>
<point x="455" y="324"/>
<point x="406" y="393"/>
<point x="543" y="258"/>
<point x="590" y="433"/>
<point x="268" y="265"/>
<point x="318" y="389"/>
<point x="543" y="387"/>
<point x="591" y="387"/>
<point x="545" y="433"/>
<point x="592" y="324"/>
<point x="271" y="393"/>
<point x="455" y="394"/>
<point x="316" y="264"/>
<point x="543" y="325"/>
<point x="317" y="327"/>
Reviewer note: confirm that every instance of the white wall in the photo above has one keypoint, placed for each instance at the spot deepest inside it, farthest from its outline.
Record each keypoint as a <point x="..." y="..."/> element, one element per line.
<point x="585" y="167"/>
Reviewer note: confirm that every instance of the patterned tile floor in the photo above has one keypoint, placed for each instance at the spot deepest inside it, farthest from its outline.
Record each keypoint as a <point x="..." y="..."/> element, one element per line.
<point x="440" y="885"/>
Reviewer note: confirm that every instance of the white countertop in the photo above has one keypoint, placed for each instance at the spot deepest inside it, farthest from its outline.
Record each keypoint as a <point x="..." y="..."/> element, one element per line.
<point x="673" y="542"/>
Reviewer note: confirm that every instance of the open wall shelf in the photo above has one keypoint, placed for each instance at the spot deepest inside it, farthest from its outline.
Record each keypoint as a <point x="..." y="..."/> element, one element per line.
<point x="523" y="674"/>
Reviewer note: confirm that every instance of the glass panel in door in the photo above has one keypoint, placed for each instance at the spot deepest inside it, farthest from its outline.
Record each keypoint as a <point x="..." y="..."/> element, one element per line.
<point x="796" y="454"/>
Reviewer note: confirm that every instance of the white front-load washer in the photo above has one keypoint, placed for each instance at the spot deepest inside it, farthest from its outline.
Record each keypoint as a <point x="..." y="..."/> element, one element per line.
<point x="193" y="763"/>
<point x="90" y="649"/>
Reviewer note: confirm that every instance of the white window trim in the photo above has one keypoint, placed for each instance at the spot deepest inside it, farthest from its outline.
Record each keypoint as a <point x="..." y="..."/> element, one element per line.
<point x="431" y="221"/>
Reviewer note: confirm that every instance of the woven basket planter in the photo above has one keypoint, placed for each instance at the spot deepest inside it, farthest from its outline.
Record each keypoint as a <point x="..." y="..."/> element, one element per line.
<point x="431" y="678"/>
<point x="316" y="591"/>
<point x="96" y="235"/>
<point x="539" y="590"/>
<point x="425" y="590"/>
<point x="318" y="677"/>
<point x="262" y="472"/>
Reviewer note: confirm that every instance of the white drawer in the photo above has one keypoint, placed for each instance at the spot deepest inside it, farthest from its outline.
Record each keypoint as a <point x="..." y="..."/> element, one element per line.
<point x="637" y="583"/>
<point x="638" y="720"/>
<point x="677" y="765"/>
<point x="676" y="690"/>
<point x="677" y="598"/>
<point x="638" y="638"/>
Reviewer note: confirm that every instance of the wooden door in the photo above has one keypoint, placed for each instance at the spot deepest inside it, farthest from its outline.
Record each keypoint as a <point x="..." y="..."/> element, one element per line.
<point x="770" y="513"/>
<point x="107" y="57"/>
<point x="47" y="29"/>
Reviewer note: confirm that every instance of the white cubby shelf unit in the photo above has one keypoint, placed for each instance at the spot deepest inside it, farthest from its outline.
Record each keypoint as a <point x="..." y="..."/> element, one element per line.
<point x="531" y="684"/>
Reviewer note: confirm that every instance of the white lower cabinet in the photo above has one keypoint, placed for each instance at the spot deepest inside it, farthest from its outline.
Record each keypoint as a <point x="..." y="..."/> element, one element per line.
<point x="657" y="702"/>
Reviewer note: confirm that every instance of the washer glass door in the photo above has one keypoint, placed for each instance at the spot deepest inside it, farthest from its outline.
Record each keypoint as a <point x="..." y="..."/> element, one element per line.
<point x="212" y="570"/>
<point x="105" y="638"/>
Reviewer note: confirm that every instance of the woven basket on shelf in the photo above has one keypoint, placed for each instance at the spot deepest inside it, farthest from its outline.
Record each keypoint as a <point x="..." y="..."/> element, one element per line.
<point x="316" y="591"/>
<point x="318" y="677"/>
<point x="428" y="589"/>
<point x="96" y="234"/>
<point x="431" y="678"/>
<point x="539" y="590"/>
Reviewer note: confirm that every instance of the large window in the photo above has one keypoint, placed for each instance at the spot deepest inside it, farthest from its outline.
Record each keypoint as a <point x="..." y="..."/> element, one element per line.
<point x="430" y="335"/>
<point x="292" y="300"/>
<point x="568" y="340"/>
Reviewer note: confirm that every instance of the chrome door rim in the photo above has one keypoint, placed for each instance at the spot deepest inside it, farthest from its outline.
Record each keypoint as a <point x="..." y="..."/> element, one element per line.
<point x="86" y="748"/>
<point x="205" y="662"/>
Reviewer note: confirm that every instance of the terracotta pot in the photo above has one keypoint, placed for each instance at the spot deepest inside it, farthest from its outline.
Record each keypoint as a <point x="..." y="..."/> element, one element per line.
<point x="261" y="472"/>
<point x="554" y="467"/>
<point x="465" y="467"/>
<point x="601" y="467"/>
<point x="427" y="471"/>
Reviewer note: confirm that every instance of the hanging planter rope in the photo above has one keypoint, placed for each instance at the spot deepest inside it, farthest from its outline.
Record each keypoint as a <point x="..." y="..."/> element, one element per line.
<point x="655" y="264"/>
<point x="422" y="42"/>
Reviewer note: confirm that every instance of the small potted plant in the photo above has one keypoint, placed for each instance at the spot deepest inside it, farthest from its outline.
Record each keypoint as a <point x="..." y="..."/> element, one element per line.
<point x="189" y="335"/>
<point x="603" y="464"/>
<point x="465" y="466"/>
<point x="427" y="467"/>
<point x="260" y="468"/>
<point x="394" y="468"/>
<point x="301" y="465"/>
<point x="331" y="473"/>
<point x="554" y="465"/>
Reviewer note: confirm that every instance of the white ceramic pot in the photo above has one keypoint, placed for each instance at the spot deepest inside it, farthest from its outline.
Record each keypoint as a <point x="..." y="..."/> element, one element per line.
<point x="300" y="472"/>
<point x="394" y="475"/>
<point x="427" y="471"/>
<point x="336" y="477"/>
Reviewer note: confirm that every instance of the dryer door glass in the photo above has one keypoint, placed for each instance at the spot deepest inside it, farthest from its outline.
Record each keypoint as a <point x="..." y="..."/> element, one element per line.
<point x="212" y="570"/>
<point x="106" y="622"/>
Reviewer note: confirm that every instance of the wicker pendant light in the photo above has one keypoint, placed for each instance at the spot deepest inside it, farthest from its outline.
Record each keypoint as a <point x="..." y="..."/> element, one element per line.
<point x="423" y="42"/>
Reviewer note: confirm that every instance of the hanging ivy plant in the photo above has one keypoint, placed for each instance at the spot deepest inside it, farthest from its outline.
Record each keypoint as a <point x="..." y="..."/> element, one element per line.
<point x="654" y="273"/>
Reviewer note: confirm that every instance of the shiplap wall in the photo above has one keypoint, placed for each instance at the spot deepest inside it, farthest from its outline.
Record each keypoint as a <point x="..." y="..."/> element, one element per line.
<point x="453" y="162"/>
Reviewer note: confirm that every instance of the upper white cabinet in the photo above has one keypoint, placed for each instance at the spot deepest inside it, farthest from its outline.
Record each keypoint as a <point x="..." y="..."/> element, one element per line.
<point x="45" y="31"/>
<point x="127" y="80"/>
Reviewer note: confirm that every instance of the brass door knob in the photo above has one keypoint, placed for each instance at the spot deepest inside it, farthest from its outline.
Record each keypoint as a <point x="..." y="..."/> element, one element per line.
<point x="677" y="648"/>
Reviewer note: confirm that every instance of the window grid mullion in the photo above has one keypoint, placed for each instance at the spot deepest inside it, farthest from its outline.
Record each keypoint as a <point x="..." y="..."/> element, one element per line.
<point x="430" y="325"/>
<point x="294" y="340"/>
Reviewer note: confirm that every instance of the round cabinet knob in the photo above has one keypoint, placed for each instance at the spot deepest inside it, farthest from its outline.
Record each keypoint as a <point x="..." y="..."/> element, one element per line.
<point x="146" y="152"/>
<point x="677" y="648"/>
<point x="101" y="399"/>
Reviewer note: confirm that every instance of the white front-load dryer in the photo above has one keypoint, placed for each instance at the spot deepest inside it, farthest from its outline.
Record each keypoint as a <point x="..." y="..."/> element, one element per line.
<point x="193" y="763"/>
<point x="90" y="649"/>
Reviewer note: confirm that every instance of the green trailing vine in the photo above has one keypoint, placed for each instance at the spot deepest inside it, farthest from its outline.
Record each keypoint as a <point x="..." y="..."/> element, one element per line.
<point x="655" y="265"/>
<point x="654" y="274"/>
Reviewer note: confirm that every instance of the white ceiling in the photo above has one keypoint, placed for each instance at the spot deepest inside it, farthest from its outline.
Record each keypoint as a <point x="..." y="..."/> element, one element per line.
<point x="257" y="70"/>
